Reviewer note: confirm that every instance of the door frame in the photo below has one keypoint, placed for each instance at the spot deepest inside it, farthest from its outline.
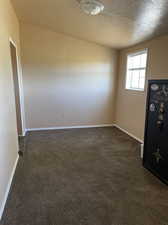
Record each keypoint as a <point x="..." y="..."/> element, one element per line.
<point x="20" y="84"/>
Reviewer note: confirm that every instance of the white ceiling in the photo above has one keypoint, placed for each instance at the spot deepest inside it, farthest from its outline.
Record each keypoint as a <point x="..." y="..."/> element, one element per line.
<point x="129" y="21"/>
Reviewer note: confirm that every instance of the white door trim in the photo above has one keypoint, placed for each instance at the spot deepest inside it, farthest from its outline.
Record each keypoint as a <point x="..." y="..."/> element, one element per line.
<point x="21" y="93"/>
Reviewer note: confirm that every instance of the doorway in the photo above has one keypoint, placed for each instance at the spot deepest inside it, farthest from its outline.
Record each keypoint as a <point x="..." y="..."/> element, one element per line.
<point x="14" y="62"/>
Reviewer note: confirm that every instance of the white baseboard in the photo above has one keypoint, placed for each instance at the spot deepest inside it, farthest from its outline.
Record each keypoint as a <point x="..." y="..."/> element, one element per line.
<point x="23" y="134"/>
<point x="69" y="127"/>
<point x="131" y="135"/>
<point x="8" y="188"/>
<point x="142" y="150"/>
<point x="85" y="126"/>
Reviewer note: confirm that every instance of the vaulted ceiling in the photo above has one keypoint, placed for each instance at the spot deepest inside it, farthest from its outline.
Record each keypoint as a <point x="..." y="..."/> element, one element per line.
<point x="127" y="22"/>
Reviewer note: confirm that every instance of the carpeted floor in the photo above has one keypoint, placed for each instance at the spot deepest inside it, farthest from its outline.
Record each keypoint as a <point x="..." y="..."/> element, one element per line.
<point x="84" y="177"/>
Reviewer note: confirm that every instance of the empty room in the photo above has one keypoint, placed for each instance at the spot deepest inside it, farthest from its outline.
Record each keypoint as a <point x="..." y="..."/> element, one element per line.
<point x="84" y="112"/>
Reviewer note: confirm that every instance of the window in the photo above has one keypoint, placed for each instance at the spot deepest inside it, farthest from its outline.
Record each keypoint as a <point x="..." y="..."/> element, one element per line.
<point x="136" y="70"/>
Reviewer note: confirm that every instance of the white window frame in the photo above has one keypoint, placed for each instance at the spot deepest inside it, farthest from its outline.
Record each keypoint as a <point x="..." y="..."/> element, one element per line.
<point x="141" y="68"/>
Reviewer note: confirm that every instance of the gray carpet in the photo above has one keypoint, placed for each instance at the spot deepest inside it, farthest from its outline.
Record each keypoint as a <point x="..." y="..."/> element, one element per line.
<point x="84" y="177"/>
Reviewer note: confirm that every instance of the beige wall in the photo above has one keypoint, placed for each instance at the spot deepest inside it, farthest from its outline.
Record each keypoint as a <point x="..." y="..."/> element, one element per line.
<point x="67" y="81"/>
<point x="130" y="105"/>
<point x="9" y="27"/>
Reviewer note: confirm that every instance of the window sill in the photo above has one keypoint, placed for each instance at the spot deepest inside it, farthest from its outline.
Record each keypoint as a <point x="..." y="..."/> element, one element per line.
<point x="134" y="89"/>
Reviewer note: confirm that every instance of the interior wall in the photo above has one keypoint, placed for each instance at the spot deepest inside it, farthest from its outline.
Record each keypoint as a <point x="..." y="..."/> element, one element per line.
<point x="67" y="81"/>
<point x="9" y="28"/>
<point x="131" y="105"/>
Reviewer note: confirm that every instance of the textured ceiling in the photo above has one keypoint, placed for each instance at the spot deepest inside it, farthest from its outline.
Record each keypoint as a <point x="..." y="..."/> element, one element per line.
<point x="124" y="22"/>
